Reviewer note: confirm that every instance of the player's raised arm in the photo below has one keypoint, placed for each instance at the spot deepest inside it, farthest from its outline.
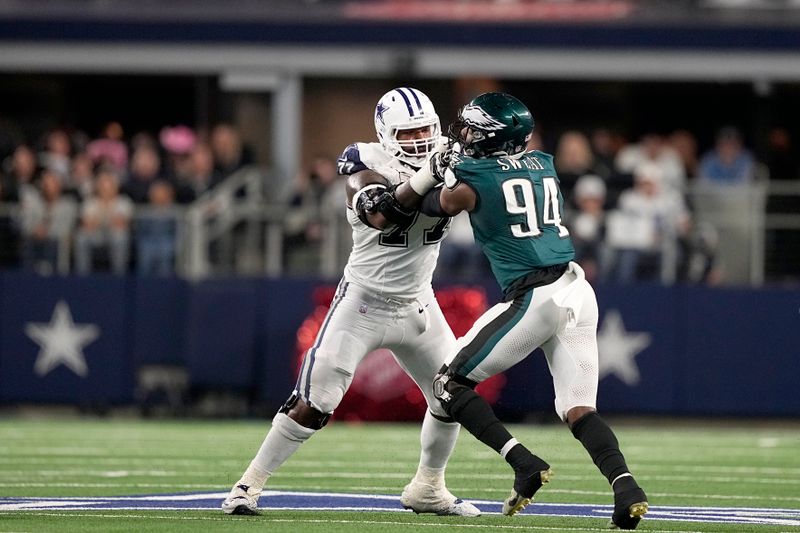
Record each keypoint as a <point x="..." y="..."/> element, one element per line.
<point x="371" y="197"/>
<point x="435" y="190"/>
<point x="452" y="201"/>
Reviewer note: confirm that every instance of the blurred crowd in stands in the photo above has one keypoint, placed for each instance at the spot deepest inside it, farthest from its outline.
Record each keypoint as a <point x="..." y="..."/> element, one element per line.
<point x="627" y="202"/>
<point x="76" y="196"/>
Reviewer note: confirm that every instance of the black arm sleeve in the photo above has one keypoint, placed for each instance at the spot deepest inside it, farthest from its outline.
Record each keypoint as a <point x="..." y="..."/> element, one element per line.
<point x="431" y="205"/>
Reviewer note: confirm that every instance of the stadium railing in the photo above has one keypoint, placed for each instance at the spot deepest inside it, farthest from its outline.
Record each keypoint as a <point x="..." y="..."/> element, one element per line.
<point x="232" y="230"/>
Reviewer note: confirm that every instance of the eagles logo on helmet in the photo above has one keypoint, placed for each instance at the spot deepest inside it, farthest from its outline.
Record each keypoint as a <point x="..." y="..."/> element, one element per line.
<point x="491" y="124"/>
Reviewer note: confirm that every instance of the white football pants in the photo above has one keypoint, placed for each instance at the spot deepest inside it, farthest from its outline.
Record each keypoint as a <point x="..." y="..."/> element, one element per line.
<point x="561" y="318"/>
<point x="358" y="323"/>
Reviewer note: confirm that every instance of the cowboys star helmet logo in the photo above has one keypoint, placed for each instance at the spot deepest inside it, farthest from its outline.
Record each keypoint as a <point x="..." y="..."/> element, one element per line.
<point x="380" y="110"/>
<point x="477" y="117"/>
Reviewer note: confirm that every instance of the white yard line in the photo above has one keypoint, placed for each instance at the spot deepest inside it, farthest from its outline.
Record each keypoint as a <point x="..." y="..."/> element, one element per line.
<point x="416" y="525"/>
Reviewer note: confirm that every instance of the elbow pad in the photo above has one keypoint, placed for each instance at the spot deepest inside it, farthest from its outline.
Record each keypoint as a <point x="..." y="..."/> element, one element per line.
<point x="365" y="201"/>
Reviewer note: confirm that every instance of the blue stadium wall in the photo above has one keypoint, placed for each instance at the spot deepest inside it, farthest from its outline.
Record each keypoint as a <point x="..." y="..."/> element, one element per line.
<point x="677" y="351"/>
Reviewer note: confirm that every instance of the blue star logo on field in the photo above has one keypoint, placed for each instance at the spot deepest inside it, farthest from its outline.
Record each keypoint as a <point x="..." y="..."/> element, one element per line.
<point x="619" y="348"/>
<point x="380" y="110"/>
<point x="331" y="501"/>
<point x="61" y="342"/>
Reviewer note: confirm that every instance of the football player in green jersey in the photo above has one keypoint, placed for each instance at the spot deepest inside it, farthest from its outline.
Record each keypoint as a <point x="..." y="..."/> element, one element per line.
<point x="515" y="206"/>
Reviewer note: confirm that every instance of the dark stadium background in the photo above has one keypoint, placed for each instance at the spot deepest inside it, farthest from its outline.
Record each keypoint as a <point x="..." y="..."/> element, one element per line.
<point x="697" y="363"/>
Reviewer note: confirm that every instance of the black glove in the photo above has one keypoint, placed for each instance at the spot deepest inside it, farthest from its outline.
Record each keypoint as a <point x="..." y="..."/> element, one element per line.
<point x="442" y="162"/>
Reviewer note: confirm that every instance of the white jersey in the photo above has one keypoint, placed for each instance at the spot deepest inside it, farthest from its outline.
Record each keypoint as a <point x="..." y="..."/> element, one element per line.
<point x="395" y="263"/>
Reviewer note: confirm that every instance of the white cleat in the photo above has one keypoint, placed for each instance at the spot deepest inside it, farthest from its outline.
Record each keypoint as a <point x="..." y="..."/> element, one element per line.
<point x="424" y="498"/>
<point x="241" y="500"/>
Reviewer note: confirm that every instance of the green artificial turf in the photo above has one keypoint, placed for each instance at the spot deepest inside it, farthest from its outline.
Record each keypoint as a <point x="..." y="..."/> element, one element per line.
<point x="744" y="465"/>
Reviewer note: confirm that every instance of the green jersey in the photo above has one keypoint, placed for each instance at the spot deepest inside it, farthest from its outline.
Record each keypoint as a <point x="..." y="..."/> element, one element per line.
<point x="517" y="217"/>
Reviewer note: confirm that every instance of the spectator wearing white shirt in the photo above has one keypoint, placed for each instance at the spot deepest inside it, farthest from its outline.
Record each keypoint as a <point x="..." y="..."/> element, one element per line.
<point x="648" y="219"/>
<point x="653" y="148"/>
<point x="105" y="226"/>
<point x="47" y="219"/>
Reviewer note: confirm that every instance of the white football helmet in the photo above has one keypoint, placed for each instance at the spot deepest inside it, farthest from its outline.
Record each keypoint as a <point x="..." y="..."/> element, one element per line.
<point x="401" y="109"/>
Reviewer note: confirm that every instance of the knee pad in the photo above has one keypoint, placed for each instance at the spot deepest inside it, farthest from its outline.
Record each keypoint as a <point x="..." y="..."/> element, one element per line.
<point x="289" y="403"/>
<point x="451" y="393"/>
<point x="310" y="416"/>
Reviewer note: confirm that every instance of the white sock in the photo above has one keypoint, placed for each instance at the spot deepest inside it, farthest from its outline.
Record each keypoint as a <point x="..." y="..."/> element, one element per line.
<point x="430" y="476"/>
<point x="507" y="446"/>
<point x="283" y="439"/>
<point x="438" y="440"/>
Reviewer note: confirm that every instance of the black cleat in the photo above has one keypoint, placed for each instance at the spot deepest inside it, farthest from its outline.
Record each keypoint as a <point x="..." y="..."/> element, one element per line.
<point x="630" y="504"/>
<point x="245" y="510"/>
<point x="526" y="483"/>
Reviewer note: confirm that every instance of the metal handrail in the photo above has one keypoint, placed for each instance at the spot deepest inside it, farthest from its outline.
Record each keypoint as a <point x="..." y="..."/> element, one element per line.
<point x="217" y="214"/>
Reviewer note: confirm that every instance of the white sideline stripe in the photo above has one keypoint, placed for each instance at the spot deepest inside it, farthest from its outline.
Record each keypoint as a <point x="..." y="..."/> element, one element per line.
<point x="111" y="485"/>
<point x="768" y="516"/>
<point x="23" y="507"/>
<point x="178" y="497"/>
<point x="11" y="475"/>
<point x="742" y="517"/>
<point x="176" y="486"/>
<point x="221" y="496"/>
<point x="687" y="517"/>
<point x="296" y="473"/>
<point x="733" y="511"/>
<point x="172" y="462"/>
<point x="679" y="495"/>
<point x="355" y="522"/>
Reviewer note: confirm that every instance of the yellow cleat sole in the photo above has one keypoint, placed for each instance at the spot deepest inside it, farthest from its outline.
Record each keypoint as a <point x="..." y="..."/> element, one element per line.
<point x="510" y="510"/>
<point x="520" y="505"/>
<point x="637" y="510"/>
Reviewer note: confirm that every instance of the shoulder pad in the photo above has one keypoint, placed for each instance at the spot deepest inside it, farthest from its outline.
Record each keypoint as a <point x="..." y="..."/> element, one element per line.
<point x="350" y="161"/>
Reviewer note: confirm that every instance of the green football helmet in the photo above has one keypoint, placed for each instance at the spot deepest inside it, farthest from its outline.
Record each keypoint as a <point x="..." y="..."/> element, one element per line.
<point x="492" y="124"/>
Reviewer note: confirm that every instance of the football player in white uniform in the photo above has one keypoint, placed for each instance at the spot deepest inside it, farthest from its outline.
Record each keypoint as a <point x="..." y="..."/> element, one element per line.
<point x="385" y="299"/>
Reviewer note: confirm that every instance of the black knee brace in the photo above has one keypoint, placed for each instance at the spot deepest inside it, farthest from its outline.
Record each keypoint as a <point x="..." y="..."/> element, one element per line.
<point x="309" y="416"/>
<point x="471" y="410"/>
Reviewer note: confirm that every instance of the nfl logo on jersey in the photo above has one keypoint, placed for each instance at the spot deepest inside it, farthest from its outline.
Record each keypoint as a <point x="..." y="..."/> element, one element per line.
<point x="362" y="309"/>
